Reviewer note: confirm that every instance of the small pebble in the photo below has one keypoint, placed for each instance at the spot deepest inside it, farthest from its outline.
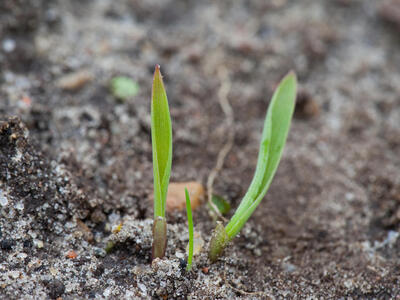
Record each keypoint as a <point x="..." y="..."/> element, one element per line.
<point x="22" y="256"/>
<point x="142" y="287"/>
<point x="3" y="199"/>
<point x="84" y="230"/>
<point x="257" y="252"/>
<point x="107" y="292"/>
<point x="99" y="252"/>
<point x="9" y="45"/>
<point x="14" y="274"/>
<point x="53" y="271"/>
<point x="38" y="243"/>
<point x="98" y="216"/>
<point x="182" y="263"/>
<point x="71" y="254"/>
<point x="7" y="244"/>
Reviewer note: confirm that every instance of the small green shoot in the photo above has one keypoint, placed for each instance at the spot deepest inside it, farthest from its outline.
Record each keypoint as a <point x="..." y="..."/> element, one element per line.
<point x="276" y="129"/>
<point x="190" y="227"/>
<point x="223" y="206"/>
<point x="161" y="136"/>
<point x="123" y="88"/>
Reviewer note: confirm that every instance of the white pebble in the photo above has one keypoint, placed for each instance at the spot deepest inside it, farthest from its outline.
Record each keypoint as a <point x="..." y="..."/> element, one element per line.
<point x="142" y="287"/>
<point x="107" y="292"/>
<point x="8" y="45"/>
<point x="38" y="243"/>
<point x="20" y="205"/>
<point x="3" y="199"/>
<point x="14" y="274"/>
<point x="22" y="255"/>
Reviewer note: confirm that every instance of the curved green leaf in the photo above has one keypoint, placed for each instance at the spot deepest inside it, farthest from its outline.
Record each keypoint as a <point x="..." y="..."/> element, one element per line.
<point x="276" y="129"/>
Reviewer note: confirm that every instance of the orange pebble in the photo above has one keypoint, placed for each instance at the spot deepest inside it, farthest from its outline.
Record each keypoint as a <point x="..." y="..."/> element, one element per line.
<point x="27" y="100"/>
<point x="71" y="254"/>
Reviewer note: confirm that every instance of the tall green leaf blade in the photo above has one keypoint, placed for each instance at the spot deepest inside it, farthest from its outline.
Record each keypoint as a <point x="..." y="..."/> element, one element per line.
<point x="161" y="134"/>
<point x="276" y="129"/>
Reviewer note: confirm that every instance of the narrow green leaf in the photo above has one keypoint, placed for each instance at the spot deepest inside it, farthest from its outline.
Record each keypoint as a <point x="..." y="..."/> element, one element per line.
<point x="161" y="134"/>
<point x="276" y="128"/>
<point x="190" y="227"/>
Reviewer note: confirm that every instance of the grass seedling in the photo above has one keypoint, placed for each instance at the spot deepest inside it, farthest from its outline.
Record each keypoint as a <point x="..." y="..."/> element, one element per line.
<point x="161" y="136"/>
<point x="190" y="227"/>
<point x="275" y="131"/>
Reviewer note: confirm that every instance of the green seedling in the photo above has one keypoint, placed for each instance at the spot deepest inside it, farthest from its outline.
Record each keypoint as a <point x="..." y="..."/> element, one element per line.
<point x="190" y="227"/>
<point x="221" y="204"/>
<point x="123" y="88"/>
<point x="275" y="131"/>
<point x="161" y="136"/>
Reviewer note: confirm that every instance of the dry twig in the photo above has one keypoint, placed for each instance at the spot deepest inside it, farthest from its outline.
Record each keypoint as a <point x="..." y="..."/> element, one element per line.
<point x="227" y="109"/>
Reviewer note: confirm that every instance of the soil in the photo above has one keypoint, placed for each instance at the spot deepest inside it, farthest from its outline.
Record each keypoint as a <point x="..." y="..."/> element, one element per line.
<point x="76" y="163"/>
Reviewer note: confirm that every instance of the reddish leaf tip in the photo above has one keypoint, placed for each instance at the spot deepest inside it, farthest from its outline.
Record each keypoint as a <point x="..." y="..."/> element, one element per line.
<point x="157" y="72"/>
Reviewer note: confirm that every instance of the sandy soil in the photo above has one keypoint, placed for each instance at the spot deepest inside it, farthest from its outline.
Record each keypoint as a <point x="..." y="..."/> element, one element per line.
<point x="75" y="162"/>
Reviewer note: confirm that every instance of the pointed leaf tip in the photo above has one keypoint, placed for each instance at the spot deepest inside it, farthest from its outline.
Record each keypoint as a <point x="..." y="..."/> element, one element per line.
<point x="157" y="71"/>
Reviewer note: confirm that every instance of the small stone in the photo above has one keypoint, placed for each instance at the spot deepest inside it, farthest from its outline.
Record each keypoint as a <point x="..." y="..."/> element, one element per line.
<point x="3" y="199"/>
<point x="14" y="274"/>
<point x="9" y="45"/>
<point x="98" y="216"/>
<point x="288" y="267"/>
<point x="142" y="287"/>
<point x="53" y="271"/>
<point x="38" y="243"/>
<point x="182" y="263"/>
<point x="84" y="230"/>
<point x="74" y="81"/>
<point x="107" y="292"/>
<point x="257" y="252"/>
<point x="22" y="256"/>
<point x="348" y="283"/>
<point x="56" y="288"/>
<point x="28" y="244"/>
<point x="71" y="254"/>
<point x="19" y="205"/>
<point x="7" y="244"/>
<point x="176" y="199"/>
<point x="99" y="252"/>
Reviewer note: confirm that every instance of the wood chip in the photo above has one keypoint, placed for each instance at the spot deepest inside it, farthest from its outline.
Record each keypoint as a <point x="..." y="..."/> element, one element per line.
<point x="74" y="81"/>
<point x="176" y="195"/>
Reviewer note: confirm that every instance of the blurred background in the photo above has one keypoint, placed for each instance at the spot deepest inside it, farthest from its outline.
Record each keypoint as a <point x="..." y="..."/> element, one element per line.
<point x="78" y="74"/>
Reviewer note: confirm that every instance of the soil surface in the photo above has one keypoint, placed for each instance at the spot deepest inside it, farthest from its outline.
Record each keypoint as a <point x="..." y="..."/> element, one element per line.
<point x="76" y="162"/>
